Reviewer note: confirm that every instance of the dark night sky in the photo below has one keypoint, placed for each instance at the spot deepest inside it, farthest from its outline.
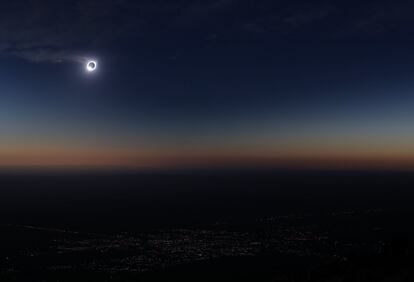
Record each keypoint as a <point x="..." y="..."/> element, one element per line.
<point x="220" y="82"/>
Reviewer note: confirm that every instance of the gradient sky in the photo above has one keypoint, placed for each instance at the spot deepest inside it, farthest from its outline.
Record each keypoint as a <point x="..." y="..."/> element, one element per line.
<point x="207" y="83"/>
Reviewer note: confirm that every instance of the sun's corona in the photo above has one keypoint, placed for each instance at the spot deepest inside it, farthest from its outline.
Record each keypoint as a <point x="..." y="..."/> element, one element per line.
<point x="91" y="66"/>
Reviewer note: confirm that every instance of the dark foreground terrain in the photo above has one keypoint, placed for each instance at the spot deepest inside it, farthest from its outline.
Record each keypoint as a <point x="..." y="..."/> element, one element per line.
<point x="230" y="227"/>
<point x="341" y="246"/>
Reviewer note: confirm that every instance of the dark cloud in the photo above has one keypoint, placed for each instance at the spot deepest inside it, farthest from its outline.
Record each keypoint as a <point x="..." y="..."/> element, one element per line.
<point x="332" y="20"/>
<point x="56" y="31"/>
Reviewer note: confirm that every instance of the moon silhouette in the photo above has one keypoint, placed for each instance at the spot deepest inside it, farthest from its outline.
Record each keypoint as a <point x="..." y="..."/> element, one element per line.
<point x="91" y="66"/>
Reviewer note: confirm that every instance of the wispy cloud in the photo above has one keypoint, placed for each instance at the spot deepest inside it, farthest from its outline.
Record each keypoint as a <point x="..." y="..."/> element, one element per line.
<point x="58" y="31"/>
<point x="50" y="31"/>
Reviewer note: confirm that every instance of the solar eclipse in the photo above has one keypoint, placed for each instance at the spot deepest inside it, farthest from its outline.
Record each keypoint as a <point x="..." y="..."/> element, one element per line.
<point x="91" y="66"/>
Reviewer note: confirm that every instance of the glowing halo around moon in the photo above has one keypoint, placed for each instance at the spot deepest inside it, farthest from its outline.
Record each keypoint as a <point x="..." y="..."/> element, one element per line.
<point x="91" y="65"/>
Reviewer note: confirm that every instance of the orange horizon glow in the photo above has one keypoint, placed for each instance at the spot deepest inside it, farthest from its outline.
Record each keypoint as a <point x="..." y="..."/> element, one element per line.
<point x="310" y="158"/>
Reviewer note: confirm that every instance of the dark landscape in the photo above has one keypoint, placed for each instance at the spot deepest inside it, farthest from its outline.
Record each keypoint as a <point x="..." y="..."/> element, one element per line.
<point x="164" y="230"/>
